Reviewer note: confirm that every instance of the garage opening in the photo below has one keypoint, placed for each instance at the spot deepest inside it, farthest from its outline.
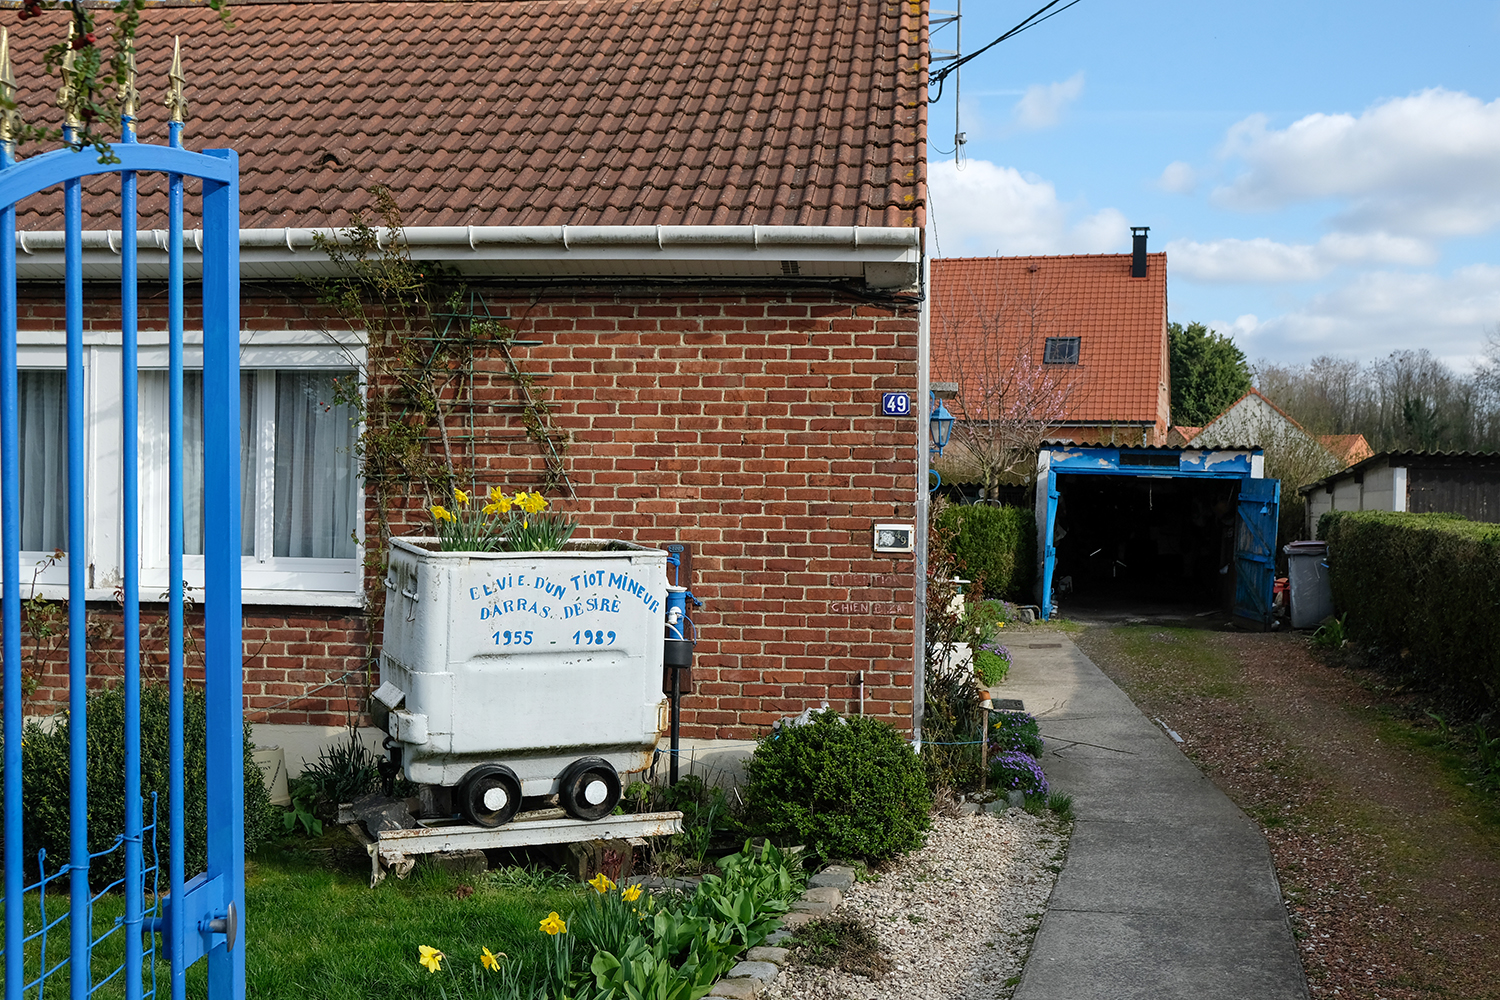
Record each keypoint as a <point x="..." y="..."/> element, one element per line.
<point x="1156" y="530"/>
<point x="1161" y="544"/>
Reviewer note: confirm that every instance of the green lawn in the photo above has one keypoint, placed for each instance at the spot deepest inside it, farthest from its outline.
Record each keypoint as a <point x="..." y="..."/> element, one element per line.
<point x="313" y="927"/>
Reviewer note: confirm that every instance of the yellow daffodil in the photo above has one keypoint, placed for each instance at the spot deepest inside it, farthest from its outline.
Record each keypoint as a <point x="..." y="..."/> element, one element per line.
<point x="490" y="960"/>
<point x="601" y="883"/>
<point x="441" y="513"/>
<point x="491" y="508"/>
<point x="630" y="893"/>
<point x="460" y="495"/>
<point x="531" y="503"/>
<point x="554" y="924"/>
<point x="430" y="957"/>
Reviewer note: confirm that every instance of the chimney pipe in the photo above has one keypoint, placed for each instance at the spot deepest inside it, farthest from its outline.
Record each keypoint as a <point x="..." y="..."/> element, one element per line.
<point x="1138" y="252"/>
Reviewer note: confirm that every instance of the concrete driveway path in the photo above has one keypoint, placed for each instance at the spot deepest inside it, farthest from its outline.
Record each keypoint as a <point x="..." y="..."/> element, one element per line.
<point x="1168" y="889"/>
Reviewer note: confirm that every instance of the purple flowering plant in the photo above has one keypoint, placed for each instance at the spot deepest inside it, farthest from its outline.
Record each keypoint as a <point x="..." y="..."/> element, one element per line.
<point x="1015" y="731"/>
<point x="1013" y="770"/>
<point x="991" y="663"/>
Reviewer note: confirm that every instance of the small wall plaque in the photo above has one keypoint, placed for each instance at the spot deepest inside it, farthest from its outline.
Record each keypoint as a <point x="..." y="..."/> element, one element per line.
<point x="894" y="537"/>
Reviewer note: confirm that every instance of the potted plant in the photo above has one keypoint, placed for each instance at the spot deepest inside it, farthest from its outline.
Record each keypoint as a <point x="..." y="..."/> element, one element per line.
<point x="518" y="661"/>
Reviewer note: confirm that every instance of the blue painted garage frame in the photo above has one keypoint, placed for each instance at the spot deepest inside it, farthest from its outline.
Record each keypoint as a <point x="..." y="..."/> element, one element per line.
<point x="1258" y="502"/>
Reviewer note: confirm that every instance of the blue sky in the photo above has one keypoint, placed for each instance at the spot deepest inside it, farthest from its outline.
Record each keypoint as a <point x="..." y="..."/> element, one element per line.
<point x="1325" y="177"/>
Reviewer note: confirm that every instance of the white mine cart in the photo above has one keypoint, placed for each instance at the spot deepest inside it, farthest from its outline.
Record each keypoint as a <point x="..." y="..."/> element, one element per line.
<point x="511" y="674"/>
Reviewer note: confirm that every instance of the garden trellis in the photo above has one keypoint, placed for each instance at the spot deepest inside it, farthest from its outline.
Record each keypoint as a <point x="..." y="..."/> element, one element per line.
<point x="194" y="917"/>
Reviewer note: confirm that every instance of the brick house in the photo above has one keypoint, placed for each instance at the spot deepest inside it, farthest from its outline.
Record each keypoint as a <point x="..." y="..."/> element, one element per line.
<point x="702" y="223"/>
<point x="1077" y="343"/>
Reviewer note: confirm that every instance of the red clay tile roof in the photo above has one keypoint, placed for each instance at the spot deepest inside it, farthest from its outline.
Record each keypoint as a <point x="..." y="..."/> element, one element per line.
<point x="1347" y="448"/>
<point x="996" y="307"/>
<point x="540" y="112"/>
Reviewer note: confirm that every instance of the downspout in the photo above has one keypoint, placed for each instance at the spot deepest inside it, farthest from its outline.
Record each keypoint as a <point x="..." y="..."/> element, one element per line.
<point x="919" y="606"/>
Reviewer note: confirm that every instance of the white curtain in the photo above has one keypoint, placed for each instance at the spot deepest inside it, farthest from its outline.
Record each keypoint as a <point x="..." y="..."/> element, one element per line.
<point x="155" y="400"/>
<point x="43" y="429"/>
<point x="249" y="481"/>
<point x="316" y="487"/>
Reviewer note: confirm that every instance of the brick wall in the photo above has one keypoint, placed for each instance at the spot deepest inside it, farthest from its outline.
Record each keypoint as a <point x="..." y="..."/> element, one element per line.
<point x="745" y="425"/>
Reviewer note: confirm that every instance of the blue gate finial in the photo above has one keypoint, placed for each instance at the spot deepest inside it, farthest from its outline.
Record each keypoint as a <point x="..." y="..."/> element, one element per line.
<point x="10" y="119"/>
<point x="128" y="98"/>
<point x="176" y="102"/>
<point x="67" y="99"/>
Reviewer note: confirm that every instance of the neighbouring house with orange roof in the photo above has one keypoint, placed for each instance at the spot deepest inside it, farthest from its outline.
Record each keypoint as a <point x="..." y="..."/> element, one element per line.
<point x="1070" y="348"/>
<point x="698" y="229"/>
<point x="1348" y="449"/>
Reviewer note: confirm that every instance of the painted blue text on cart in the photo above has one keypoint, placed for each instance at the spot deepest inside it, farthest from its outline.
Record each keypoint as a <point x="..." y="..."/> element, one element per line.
<point x="577" y="599"/>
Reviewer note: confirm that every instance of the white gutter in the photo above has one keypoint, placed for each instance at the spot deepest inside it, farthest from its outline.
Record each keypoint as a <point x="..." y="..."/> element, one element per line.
<point x="887" y="257"/>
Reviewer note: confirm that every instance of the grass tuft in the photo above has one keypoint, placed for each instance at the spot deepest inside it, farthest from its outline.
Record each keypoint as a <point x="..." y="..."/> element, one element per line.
<point x="840" y="942"/>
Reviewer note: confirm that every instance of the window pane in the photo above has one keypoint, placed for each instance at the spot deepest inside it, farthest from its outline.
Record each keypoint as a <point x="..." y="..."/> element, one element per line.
<point x="155" y="425"/>
<point x="249" y="480"/>
<point x="1061" y="351"/>
<point x="43" y="428"/>
<point x="316" y="486"/>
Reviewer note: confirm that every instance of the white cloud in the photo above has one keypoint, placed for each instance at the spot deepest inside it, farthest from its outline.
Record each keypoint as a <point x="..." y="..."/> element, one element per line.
<point x="1263" y="260"/>
<point x="1178" y="178"/>
<point x="1257" y="260"/>
<point x="986" y="209"/>
<point x="1043" y="103"/>
<point x="1380" y="312"/>
<point x="1376" y="247"/>
<point x="1426" y="165"/>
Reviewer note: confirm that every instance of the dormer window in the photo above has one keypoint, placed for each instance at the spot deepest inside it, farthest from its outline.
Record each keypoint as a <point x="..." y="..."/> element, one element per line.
<point x="1061" y="351"/>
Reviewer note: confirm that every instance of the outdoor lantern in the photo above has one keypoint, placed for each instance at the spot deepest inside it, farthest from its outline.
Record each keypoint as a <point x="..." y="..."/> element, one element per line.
<point x="940" y="426"/>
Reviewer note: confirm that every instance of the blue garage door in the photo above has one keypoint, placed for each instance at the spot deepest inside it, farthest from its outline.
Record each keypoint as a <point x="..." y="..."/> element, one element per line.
<point x="1255" y="549"/>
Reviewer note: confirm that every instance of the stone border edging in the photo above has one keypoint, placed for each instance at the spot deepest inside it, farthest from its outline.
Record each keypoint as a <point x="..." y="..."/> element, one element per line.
<point x="749" y="979"/>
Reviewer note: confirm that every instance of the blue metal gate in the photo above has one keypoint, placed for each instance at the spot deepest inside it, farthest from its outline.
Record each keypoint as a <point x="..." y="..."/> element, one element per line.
<point x="195" y="917"/>
<point x="1255" y="549"/>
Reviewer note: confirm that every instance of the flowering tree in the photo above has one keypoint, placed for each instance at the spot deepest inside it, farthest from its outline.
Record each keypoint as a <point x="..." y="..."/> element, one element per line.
<point x="1009" y="401"/>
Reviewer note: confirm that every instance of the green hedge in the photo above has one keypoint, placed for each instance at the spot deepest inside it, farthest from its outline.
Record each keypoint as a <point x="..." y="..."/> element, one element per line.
<point x="44" y="782"/>
<point x="994" y="545"/>
<point x="1425" y="587"/>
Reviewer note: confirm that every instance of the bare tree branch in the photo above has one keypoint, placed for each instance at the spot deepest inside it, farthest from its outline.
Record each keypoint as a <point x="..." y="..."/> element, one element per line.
<point x="1009" y="401"/>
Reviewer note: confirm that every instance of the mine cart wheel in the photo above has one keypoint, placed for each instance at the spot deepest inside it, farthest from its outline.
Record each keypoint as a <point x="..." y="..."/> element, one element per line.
<point x="489" y="795"/>
<point x="589" y="788"/>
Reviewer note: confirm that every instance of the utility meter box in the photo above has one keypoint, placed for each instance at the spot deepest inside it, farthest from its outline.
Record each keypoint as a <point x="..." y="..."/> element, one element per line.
<point x="527" y="662"/>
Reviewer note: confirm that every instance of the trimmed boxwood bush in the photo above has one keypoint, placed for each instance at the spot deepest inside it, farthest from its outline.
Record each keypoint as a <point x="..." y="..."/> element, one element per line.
<point x="993" y="545"/>
<point x="846" y="786"/>
<point x="44" y="783"/>
<point x="1424" y="586"/>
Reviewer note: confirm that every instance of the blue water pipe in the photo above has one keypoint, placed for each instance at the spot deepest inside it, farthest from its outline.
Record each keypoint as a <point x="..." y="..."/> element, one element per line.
<point x="677" y="652"/>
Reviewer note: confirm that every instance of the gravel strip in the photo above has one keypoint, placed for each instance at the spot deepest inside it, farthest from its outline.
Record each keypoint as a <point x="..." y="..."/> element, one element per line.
<point x="956" y="918"/>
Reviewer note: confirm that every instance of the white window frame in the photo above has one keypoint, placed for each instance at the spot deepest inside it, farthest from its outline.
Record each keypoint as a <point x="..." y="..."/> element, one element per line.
<point x="265" y="579"/>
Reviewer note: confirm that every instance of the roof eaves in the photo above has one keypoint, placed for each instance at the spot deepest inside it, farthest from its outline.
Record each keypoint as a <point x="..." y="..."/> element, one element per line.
<point x="885" y="257"/>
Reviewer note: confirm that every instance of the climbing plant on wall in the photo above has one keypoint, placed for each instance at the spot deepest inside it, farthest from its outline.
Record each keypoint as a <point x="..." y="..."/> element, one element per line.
<point x="413" y="393"/>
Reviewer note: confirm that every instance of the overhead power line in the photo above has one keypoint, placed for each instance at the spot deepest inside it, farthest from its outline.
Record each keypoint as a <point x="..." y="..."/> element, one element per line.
<point x="1030" y="22"/>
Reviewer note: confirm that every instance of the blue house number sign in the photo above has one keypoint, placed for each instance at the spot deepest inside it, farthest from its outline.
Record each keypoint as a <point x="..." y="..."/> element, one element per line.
<point x="895" y="404"/>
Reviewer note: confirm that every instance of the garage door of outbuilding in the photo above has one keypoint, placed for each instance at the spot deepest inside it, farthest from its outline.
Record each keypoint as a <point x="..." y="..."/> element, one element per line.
<point x="1157" y="525"/>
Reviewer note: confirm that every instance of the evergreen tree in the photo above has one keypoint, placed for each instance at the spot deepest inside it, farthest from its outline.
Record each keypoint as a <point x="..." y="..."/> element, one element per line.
<point x="1208" y="373"/>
